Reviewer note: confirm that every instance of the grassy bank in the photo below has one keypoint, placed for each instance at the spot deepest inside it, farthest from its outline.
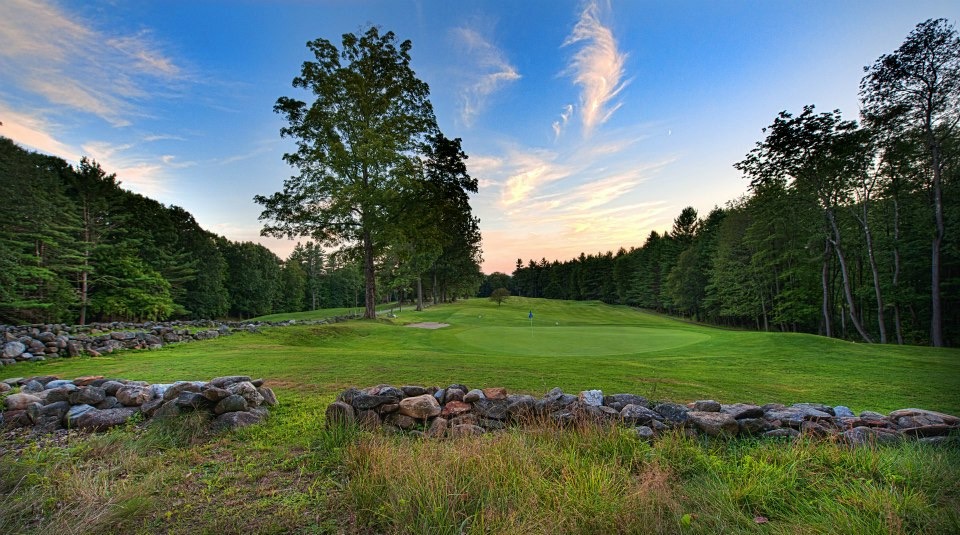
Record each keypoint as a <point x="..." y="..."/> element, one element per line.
<point x="292" y="475"/>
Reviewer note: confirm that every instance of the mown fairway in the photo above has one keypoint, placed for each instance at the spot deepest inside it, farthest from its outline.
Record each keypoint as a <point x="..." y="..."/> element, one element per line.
<point x="291" y="475"/>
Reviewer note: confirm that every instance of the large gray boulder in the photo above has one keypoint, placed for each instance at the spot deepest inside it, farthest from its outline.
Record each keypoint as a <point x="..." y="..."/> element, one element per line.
<point x="714" y="423"/>
<point x="420" y="407"/>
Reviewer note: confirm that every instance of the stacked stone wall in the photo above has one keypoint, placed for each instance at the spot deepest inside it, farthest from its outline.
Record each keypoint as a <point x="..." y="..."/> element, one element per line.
<point x="457" y="410"/>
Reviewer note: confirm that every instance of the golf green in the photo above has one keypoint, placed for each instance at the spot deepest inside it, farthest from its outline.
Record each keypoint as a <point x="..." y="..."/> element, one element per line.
<point x="588" y="341"/>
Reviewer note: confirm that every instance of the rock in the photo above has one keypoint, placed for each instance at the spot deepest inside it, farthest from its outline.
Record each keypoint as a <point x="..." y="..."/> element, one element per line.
<point x="909" y="418"/>
<point x="672" y="412"/>
<point x="420" y="407"/>
<point x="4" y="387"/>
<point x="188" y="401"/>
<point x="340" y="413"/>
<point x="455" y="408"/>
<point x="591" y="398"/>
<point x="843" y="412"/>
<point x="520" y="406"/>
<point x="75" y="412"/>
<point x="814" y="406"/>
<point x="134" y="396"/>
<point x="495" y="393"/>
<point x="12" y="350"/>
<point x="413" y="390"/>
<point x="369" y="420"/>
<point x="14" y="419"/>
<point x="706" y="405"/>
<point x="714" y="423"/>
<point x="109" y="402"/>
<point x="269" y="398"/>
<point x="150" y="407"/>
<point x="795" y="416"/>
<point x="754" y="426"/>
<point x="643" y="433"/>
<point x="935" y="430"/>
<point x="466" y="430"/>
<point x="437" y="429"/>
<point x="32" y="387"/>
<point x="111" y="387"/>
<point x="173" y="391"/>
<point x="491" y="408"/>
<point x="474" y="395"/>
<point x="57" y="383"/>
<point x="59" y="394"/>
<point x="466" y="418"/>
<point x="232" y="403"/>
<point x="638" y="415"/>
<point x="454" y="394"/>
<point x="740" y="411"/>
<point x="363" y="401"/>
<point x="86" y="380"/>
<point x="859" y="436"/>
<point x="234" y="420"/>
<point x="619" y="401"/>
<point x="223" y="382"/>
<point x="19" y="402"/>
<point x="168" y="409"/>
<point x="213" y="393"/>
<point x="387" y="408"/>
<point x="100" y="420"/>
<point x="248" y="391"/>
<point x="401" y="420"/>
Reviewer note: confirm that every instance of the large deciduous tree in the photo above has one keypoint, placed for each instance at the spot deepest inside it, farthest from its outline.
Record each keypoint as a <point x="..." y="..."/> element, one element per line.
<point x="369" y="119"/>
<point x="916" y="91"/>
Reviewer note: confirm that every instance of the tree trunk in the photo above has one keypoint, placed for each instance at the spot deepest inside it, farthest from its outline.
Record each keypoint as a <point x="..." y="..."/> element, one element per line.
<point x="434" y="289"/>
<point x="847" y="291"/>
<point x="419" y="293"/>
<point x="936" y="314"/>
<point x="881" y="322"/>
<point x="825" y="281"/>
<point x="896" y="271"/>
<point x="369" y="276"/>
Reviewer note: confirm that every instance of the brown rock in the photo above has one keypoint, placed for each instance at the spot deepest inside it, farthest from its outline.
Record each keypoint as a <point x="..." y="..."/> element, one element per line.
<point x="134" y="396"/>
<point x="340" y="413"/>
<point x="401" y="420"/>
<point x="455" y="408"/>
<point x="495" y="393"/>
<point x="269" y="398"/>
<point x="438" y="428"/>
<point x="86" y="380"/>
<point x="714" y="423"/>
<point x="420" y="407"/>
<point x="19" y="402"/>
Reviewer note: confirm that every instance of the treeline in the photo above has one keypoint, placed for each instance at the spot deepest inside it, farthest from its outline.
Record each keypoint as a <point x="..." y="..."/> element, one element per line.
<point x="849" y="230"/>
<point x="75" y="247"/>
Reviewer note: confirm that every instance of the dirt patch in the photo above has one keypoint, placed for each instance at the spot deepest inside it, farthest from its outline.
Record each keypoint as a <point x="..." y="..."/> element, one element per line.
<point x="429" y="325"/>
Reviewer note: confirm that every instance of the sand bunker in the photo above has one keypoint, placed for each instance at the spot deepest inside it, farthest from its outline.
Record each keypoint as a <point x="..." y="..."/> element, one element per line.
<point x="429" y="325"/>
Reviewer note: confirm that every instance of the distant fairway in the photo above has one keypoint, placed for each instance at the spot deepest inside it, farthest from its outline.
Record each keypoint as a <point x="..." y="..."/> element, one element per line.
<point x="599" y="340"/>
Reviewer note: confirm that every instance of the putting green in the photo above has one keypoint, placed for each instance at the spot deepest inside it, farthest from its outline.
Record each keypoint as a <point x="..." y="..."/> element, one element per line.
<point x="576" y="340"/>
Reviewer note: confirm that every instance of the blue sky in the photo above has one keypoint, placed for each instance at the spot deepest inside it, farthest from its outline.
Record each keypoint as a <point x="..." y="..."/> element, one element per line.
<point x="588" y="124"/>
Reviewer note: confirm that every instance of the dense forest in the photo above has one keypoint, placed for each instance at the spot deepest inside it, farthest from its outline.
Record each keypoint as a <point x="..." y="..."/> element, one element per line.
<point x="75" y="247"/>
<point x="849" y="229"/>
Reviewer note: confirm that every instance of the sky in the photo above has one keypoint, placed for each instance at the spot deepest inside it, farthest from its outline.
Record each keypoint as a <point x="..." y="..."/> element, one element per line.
<point x="588" y="124"/>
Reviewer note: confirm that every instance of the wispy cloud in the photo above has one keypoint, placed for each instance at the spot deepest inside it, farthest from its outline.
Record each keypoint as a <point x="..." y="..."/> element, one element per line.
<point x="558" y="126"/>
<point x="33" y="131"/>
<point x="78" y="67"/>
<point x="489" y="72"/>
<point x="598" y="67"/>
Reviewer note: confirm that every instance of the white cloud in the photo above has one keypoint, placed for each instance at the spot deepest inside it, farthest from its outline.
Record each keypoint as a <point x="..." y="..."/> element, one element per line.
<point x="33" y="131"/>
<point x="598" y="67"/>
<point x="74" y="66"/>
<point x="490" y="72"/>
<point x="558" y="126"/>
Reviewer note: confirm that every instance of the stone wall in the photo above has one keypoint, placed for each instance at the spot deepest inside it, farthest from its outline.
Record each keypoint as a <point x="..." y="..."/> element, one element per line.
<point x="96" y="403"/>
<point x="39" y="342"/>
<point x="457" y="410"/>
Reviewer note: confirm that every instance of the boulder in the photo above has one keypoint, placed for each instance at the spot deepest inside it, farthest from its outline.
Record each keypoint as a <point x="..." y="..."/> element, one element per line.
<point x="591" y="398"/>
<point x="401" y="420"/>
<point x="437" y="429"/>
<point x="754" y="426"/>
<point x="231" y="403"/>
<point x="369" y="420"/>
<point x="269" y="398"/>
<point x="134" y="396"/>
<point x="740" y="411"/>
<point x="362" y="401"/>
<point x="491" y="408"/>
<point x="173" y="391"/>
<point x="474" y="395"/>
<point x="706" y="405"/>
<point x="495" y="393"/>
<point x="248" y="391"/>
<point x="455" y="408"/>
<point x="714" y="423"/>
<point x="75" y="412"/>
<point x="420" y="407"/>
<point x="100" y="420"/>
<point x="909" y="418"/>
<point x="638" y="415"/>
<point x="19" y="402"/>
<point x="673" y="413"/>
<point x="223" y="382"/>
<point x="413" y="390"/>
<point x="12" y="350"/>
<point x="619" y="401"/>
<point x="340" y="413"/>
<point x="643" y="433"/>
<point x="859" y="436"/>
<point x="234" y="420"/>
<point x="214" y="394"/>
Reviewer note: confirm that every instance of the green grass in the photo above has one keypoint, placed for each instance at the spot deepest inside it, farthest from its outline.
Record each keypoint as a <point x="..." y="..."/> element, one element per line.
<point x="321" y="314"/>
<point x="291" y="475"/>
